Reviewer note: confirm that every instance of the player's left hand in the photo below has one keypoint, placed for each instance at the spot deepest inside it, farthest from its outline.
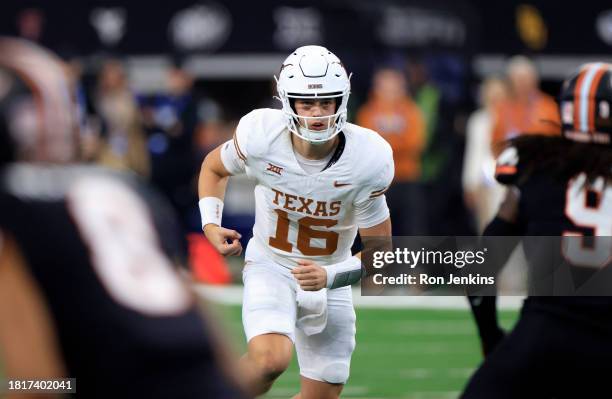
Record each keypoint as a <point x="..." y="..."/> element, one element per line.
<point x="310" y="276"/>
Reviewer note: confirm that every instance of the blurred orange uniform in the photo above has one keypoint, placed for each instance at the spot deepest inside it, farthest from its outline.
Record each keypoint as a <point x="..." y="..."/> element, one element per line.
<point x="513" y="118"/>
<point x="401" y="123"/>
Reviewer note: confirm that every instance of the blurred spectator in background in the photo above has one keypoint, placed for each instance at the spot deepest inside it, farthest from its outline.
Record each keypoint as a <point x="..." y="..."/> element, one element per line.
<point x="213" y="129"/>
<point x="123" y="144"/>
<point x="180" y="127"/>
<point x="481" y="191"/>
<point x="171" y="119"/>
<point x="428" y="97"/>
<point x="90" y="126"/>
<point x="436" y="83"/>
<point x="31" y="24"/>
<point x="527" y="110"/>
<point x="391" y="112"/>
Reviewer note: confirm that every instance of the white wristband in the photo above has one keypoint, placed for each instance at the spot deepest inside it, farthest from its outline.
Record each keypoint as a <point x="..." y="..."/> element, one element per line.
<point x="344" y="273"/>
<point x="211" y="209"/>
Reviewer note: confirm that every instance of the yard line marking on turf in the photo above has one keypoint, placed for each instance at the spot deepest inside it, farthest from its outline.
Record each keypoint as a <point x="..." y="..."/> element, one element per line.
<point x="429" y="327"/>
<point x="284" y="392"/>
<point x="416" y="395"/>
<point x="417" y="374"/>
<point x="464" y="372"/>
<point x="284" y="396"/>
<point x="355" y="389"/>
<point x="232" y="295"/>
<point x="426" y="373"/>
<point x="358" y="392"/>
<point x="433" y="395"/>
<point x="434" y="348"/>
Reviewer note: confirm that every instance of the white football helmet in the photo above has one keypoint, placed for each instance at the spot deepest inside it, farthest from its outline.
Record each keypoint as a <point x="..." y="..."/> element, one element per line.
<point x="313" y="72"/>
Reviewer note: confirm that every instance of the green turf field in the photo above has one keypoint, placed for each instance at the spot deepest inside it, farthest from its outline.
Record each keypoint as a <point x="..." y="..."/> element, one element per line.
<point x="407" y="353"/>
<point x="401" y="353"/>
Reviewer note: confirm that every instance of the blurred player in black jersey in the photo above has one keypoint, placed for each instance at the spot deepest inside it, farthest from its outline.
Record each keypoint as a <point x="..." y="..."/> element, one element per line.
<point x="561" y="346"/>
<point x="88" y="289"/>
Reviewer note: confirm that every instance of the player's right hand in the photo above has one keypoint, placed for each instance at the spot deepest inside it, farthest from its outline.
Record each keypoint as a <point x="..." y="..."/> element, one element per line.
<point x="226" y="241"/>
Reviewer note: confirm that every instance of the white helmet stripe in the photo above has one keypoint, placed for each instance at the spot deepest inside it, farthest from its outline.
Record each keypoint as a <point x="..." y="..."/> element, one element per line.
<point x="584" y="92"/>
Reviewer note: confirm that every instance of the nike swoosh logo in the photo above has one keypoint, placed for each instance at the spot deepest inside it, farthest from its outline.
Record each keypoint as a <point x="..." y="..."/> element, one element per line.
<point x="337" y="184"/>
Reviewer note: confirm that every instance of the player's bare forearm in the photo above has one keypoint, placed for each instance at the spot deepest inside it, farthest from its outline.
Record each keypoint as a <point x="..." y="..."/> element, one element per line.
<point x="380" y="230"/>
<point x="379" y="240"/>
<point x="213" y="176"/>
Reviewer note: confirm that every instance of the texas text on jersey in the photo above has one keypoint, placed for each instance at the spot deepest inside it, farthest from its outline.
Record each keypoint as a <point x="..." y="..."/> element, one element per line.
<point x="303" y="215"/>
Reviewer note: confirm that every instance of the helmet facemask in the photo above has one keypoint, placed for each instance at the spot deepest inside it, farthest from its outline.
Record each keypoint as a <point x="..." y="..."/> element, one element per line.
<point x="299" y="124"/>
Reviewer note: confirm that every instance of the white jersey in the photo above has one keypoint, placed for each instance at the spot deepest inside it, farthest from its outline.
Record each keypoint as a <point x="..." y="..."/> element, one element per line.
<point x="300" y="215"/>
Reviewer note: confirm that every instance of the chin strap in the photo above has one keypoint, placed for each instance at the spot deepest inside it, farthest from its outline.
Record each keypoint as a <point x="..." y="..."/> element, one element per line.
<point x="338" y="152"/>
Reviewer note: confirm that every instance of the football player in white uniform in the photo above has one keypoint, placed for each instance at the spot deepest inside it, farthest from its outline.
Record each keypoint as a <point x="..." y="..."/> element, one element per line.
<point x="319" y="180"/>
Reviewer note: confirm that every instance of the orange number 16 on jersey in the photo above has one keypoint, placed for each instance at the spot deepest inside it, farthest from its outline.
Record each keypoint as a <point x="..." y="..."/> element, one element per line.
<point x="305" y="234"/>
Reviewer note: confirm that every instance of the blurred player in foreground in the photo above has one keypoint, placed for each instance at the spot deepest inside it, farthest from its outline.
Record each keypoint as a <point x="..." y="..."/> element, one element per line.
<point x="561" y="346"/>
<point x="87" y="285"/>
<point x="319" y="180"/>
